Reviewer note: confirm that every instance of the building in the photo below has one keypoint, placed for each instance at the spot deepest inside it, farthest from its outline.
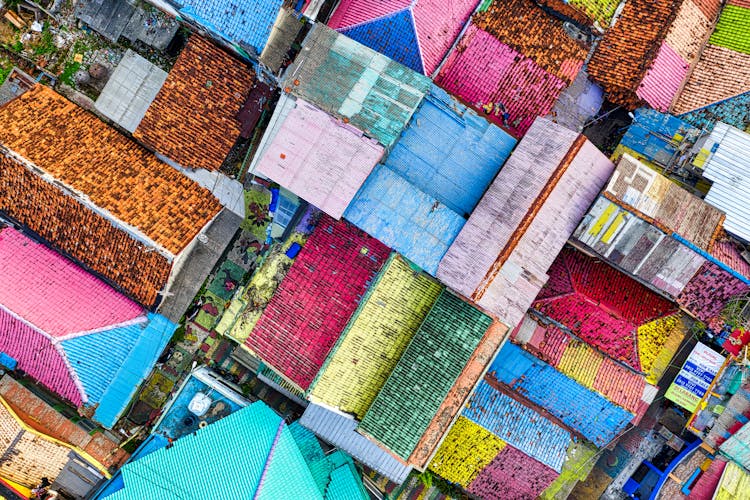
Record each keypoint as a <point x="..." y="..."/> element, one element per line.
<point x="57" y="319"/>
<point x="118" y="211"/>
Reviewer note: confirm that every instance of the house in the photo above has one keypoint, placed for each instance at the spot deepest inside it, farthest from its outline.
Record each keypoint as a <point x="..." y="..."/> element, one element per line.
<point x="252" y="453"/>
<point x="57" y="320"/>
<point x="118" y="211"/>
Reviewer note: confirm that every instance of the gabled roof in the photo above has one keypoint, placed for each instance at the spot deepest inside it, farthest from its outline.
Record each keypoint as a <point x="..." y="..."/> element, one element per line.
<point x="313" y="304"/>
<point x="416" y="34"/>
<point x="404" y="407"/>
<point x="57" y="320"/>
<point x="375" y="338"/>
<point x="193" y="119"/>
<point x="122" y="178"/>
<point x="355" y="83"/>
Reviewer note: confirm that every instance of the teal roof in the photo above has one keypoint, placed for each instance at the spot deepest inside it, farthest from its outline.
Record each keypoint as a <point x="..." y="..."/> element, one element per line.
<point x="412" y="395"/>
<point x="345" y="484"/>
<point x="250" y="454"/>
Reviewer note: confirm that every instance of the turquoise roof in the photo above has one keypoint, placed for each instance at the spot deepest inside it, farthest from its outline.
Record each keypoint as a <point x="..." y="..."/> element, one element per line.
<point x="131" y="352"/>
<point x="250" y="454"/>
<point x="345" y="484"/>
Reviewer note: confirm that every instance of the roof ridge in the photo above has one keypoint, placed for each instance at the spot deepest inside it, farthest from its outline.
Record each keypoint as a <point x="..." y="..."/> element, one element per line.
<point x="267" y="464"/>
<point x="377" y="18"/>
<point x="142" y="318"/>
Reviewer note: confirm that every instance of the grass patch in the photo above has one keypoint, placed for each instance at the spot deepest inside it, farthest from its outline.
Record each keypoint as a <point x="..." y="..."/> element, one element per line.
<point x="67" y="75"/>
<point x="46" y="43"/>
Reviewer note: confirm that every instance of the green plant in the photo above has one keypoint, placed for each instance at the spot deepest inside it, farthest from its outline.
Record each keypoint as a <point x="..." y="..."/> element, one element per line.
<point x="46" y="43"/>
<point x="66" y="76"/>
<point x="425" y="478"/>
<point x="179" y="334"/>
<point x="17" y="47"/>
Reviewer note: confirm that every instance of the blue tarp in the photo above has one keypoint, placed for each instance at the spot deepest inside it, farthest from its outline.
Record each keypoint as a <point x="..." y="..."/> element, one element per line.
<point x="581" y="409"/>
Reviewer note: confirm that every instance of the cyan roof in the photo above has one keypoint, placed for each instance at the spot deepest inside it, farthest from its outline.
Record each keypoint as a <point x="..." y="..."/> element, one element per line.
<point x="734" y="111"/>
<point x="239" y="21"/>
<point x="250" y="454"/>
<point x="450" y="152"/>
<point x="650" y="132"/>
<point x="581" y="409"/>
<point x="405" y="406"/>
<point x="403" y="217"/>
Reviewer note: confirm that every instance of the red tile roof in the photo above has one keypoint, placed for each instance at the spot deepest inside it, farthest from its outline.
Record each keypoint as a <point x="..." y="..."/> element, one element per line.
<point x="730" y="254"/>
<point x="193" y="120"/>
<point x="313" y="304"/>
<point x="512" y="475"/>
<point x="78" y="149"/>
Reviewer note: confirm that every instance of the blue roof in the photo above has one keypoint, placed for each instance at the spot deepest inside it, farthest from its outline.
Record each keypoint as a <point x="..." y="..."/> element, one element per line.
<point x="450" y="152"/>
<point x="518" y="425"/>
<point x="393" y="35"/>
<point x="581" y="409"/>
<point x="319" y="465"/>
<point x="649" y="133"/>
<point x="131" y="352"/>
<point x="734" y="111"/>
<point x="411" y="222"/>
<point x="250" y="454"/>
<point x="246" y="21"/>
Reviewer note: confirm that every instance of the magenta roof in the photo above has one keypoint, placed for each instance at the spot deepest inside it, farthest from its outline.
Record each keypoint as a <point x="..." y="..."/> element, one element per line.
<point x="313" y="304"/>
<point x="483" y="70"/>
<point x="512" y="474"/>
<point x="664" y="79"/>
<point x="53" y="294"/>
<point x="319" y="158"/>
<point x="435" y="24"/>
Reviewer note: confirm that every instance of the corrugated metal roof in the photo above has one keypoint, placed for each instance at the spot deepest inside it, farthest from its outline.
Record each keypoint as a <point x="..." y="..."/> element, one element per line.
<point x="400" y="215"/>
<point x="318" y="157"/>
<point x="518" y="425"/>
<point x="405" y="406"/>
<point x="450" y="152"/>
<point x="375" y="338"/>
<point x="353" y="82"/>
<point x="340" y="431"/>
<point x="729" y="169"/>
<point x="581" y="409"/>
<point x="737" y="447"/>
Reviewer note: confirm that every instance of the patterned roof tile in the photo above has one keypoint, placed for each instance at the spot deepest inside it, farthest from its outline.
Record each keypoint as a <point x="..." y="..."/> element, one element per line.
<point x="662" y="81"/>
<point x="313" y="304"/>
<point x="732" y="28"/>
<point x="211" y="86"/>
<point x="512" y="474"/>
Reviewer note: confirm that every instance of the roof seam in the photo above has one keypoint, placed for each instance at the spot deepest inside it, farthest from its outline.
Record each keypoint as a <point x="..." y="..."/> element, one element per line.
<point x="373" y="19"/>
<point x="135" y="321"/>
<point x="276" y="438"/>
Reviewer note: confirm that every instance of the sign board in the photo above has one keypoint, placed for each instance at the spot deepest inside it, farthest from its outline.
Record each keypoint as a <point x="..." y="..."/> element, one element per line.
<point x="695" y="377"/>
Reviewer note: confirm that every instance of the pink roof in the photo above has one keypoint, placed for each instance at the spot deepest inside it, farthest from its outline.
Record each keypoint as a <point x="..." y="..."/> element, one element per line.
<point x="729" y="254"/>
<point x="52" y="293"/>
<point x="37" y="356"/>
<point x="663" y="79"/>
<point x="437" y="22"/>
<point x="512" y="474"/>
<point x="315" y="300"/>
<point x="484" y="70"/>
<point x="319" y="158"/>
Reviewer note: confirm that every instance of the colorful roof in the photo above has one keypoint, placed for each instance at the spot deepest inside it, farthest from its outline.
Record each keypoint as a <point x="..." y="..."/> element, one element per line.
<point x="212" y="86"/>
<point x="376" y="337"/>
<point x="313" y="304"/>
<point x="734" y="111"/>
<point x="416" y="33"/>
<point x="710" y="290"/>
<point x="467" y="449"/>
<point x="518" y="425"/>
<point x="404" y="218"/>
<point x="63" y="350"/>
<point x="123" y="179"/>
<point x="729" y="252"/>
<point x="355" y="83"/>
<point x="450" y="152"/>
<point x="517" y="84"/>
<point x="318" y="157"/>
<point x="627" y="50"/>
<point x="512" y="474"/>
<point x="273" y="465"/>
<point x="244" y="23"/>
<point x="599" y="304"/>
<point x="598" y="10"/>
<point x="579" y="408"/>
<point x="535" y="202"/>
<point x="404" y="407"/>
<point x="655" y="136"/>
<point x="737" y="447"/>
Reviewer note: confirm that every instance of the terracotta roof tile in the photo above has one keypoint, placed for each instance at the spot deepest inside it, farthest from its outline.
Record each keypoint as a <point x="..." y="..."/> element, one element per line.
<point x="573" y="10"/>
<point x="528" y="29"/>
<point x="628" y="49"/>
<point x="711" y="8"/>
<point x="122" y="178"/>
<point x="193" y="118"/>
<point x="689" y="31"/>
<point x="597" y="10"/>
<point x="79" y="232"/>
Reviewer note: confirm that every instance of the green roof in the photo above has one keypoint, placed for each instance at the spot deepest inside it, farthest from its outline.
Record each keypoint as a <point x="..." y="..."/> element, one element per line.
<point x="424" y="375"/>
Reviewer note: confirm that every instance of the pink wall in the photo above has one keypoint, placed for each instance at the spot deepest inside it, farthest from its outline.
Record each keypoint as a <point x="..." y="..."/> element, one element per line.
<point x="54" y="294"/>
<point x="663" y="79"/>
<point x="319" y="158"/>
<point x="484" y="70"/>
<point x="37" y="356"/>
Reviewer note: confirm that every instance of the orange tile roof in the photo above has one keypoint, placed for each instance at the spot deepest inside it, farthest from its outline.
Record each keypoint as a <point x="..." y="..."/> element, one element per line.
<point x="116" y="174"/>
<point x="193" y="120"/>
<point x="628" y="49"/>
<point x="526" y="28"/>
<point x="75" y="230"/>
